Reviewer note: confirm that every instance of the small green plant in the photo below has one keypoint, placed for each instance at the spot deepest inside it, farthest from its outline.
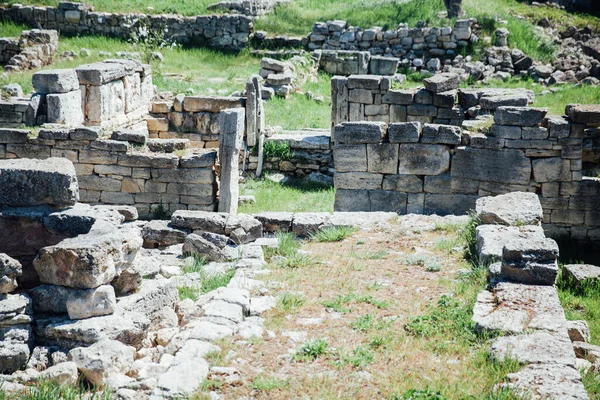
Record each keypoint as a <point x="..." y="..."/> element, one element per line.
<point x="210" y="282"/>
<point x="196" y="264"/>
<point x="416" y="259"/>
<point x="311" y="350"/>
<point x="188" y="292"/>
<point x="447" y="245"/>
<point x="268" y="383"/>
<point x="296" y="261"/>
<point x="212" y="384"/>
<point x="46" y="390"/>
<point x="368" y="322"/>
<point x="289" y="302"/>
<point x="159" y="212"/>
<point x="338" y="304"/>
<point x="275" y="149"/>
<point x="287" y="245"/>
<point x="369" y="254"/>
<point x="415" y="394"/>
<point x="361" y="356"/>
<point x="433" y="266"/>
<point x="333" y="234"/>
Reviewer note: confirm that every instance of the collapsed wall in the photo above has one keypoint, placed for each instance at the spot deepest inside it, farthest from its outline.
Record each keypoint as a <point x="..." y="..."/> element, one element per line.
<point x="33" y="49"/>
<point x="226" y="32"/>
<point x="425" y="166"/>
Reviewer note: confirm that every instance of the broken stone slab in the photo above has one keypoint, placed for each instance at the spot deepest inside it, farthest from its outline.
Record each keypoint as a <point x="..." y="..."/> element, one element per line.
<point x="579" y="331"/>
<point x="198" y="245"/>
<point x="99" y="73"/>
<point x="577" y="274"/>
<point x="15" y="309"/>
<point x="13" y="353"/>
<point x="587" y="351"/>
<point x="182" y="379"/>
<point x="260" y="305"/>
<point x="205" y="159"/>
<point x="274" y="65"/>
<point x="304" y="224"/>
<point x="167" y="145"/>
<point x="152" y="296"/>
<point x="159" y="233"/>
<point x="92" y="302"/>
<point x="55" y="81"/>
<point x="442" y="82"/>
<point x="491" y="103"/>
<point x="103" y="359"/>
<point x="547" y="381"/>
<point x="275" y="221"/>
<point x="513" y="209"/>
<point x="530" y="260"/>
<point x="128" y="135"/>
<point x="224" y="309"/>
<point x="126" y="327"/>
<point x="209" y="331"/>
<point x="200" y="220"/>
<point x="584" y="114"/>
<point x="28" y="182"/>
<point x="10" y="269"/>
<point x="516" y="308"/>
<point x="492" y="238"/>
<point x="535" y="348"/>
<point x="81" y="218"/>
<point x="519" y="116"/>
<point x="404" y="132"/>
<point x="441" y="134"/>
<point x="243" y="228"/>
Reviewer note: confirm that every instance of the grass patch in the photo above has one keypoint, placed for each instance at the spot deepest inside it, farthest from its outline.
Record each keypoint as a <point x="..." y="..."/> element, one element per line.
<point x="368" y="322"/>
<point x="208" y="281"/>
<point x="339" y="303"/>
<point x="287" y="246"/>
<point x="279" y="150"/>
<point x="361" y="356"/>
<point x="269" y="383"/>
<point x="46" y="390"/>
<point x="295" y="196"/>
<point x="369" y="254"/>
<point x="333" y="234"/>
<point x="296" y="261"/>
<point x="311" y="350"/>
<point x="289" y="302"/>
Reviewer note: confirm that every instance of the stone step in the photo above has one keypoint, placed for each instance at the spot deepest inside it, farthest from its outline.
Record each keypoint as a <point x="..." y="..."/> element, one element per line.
<point x="309" y="139"/>
<point x="167" y="145"/>
<point x="128" y="135"/>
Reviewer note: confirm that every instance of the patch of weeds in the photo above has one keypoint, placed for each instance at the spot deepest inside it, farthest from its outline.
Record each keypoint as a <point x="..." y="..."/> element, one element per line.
<point x="268" y="383"/>
<point x="416" y="259"/>
<point x="195" y="265"/>
<point x="211" y="282"/>
<point x="333" y="234"/>
<point x="46" y="390"/>
<point x="419" y="394"/>
<point x="297" y="261"/>
<point x="357" y="266"/>
<point x="159" y="212"/>
<point x="361" y="356"/>
<point x="369" y="254"/>
<point x="448" y="227"/>
<point x="374" y="286"/>
<point x="380" y="341"/>
<point x="368" y="322"/>
<point x="338" y="304"/>
<point x="287" y="245"/>
<point x="467" y="236"/>
<point x="311" y="350"/>
<point x="212" y="384"/>
<point x="188" y="292"/>
<point x="276" y="149"/>
<point x="447" y="245"/>
<point x="433" y="266"/>
<point x="289" y="302"/>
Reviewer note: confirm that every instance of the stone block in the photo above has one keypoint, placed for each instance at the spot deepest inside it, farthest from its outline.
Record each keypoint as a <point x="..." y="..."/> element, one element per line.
<point x="35" y="182"/>
<point x="502" y="166"/>
<point x="362" y="96"/>
<point x="553" y="169"/>
<point x="65" y="108"/>
<point x="350" y="157"/>
<point x="357" y="180"/>
<point x="100" y="73"/>
<point x="387" y="201"/>
<point x="441" y="134"/>
<point x="558" y="127"/>
<point x="513" y="209"/>
<point x="442" y="82"/>
<point x="92" y="302"/>
<point x="128" y="135"/>
<point x="348" y="200"/>
<point x="400" y="97"/>
<point x="423" y="159"/>
<point x="447" y="204"/>
<point x="403" y="183"/>
<point x="10" y="270"/>
<point x="491" y="103"/>
<point x="360" y="132"/>
<point x="13" y="135"/>
<point x="519" y="116"/>
<point x="368" y="82"/>
<point x="584" y="114"/>
<point x="103" y="103"/>
<point x="530" y="260"/>
<point x="382" y="158"/>
<point x="404" y="132"/>
<point x="445" y="99"/>
<point x="383" y="65"/>
<point x="505" y="132"/>
<point x="211" y="104"/>
<point x="422" y="110"/>
<point x="55" y="81"/>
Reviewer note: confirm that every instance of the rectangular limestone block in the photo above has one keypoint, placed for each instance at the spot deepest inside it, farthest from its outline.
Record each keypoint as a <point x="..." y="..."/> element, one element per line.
<point x="157" y="124"/>
<point x="362" y="96"/>
<point x="446" y="204"/>
<point x="445" y="99"/>
<point x="380" y="65"/>
<point x="100" y="73"/>
<point x="423" y="159"/>
<point x="132" y="85"/>
<point x="370" y="82"/>
<point x="357" y="180"/>
<point x="211" y="103"/>
<point x="404" y="132"/>
<point x="360" y="132"/>
<point x="27" y="182"/>
<point x="584" y="114"/>
<point x="55" y="81"/>
<point x="519" y="116"/>
<point x="387" y="201"/>
<point x="502" y="166"/>
<point x="350" y="157"/>
<point x="441" y="134"/>
<point x="382" y="158"/>
<point x="442" y="82"/>
<point x="65" y="108"/>
<point x="103" y="103"/>
<point x="403" y="183"/>
<point x="349" y="200"/>
<point x="553" y="169"/>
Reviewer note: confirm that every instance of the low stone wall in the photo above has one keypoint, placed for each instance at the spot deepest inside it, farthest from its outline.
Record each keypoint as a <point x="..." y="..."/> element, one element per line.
<point x="402" y="42"/>
<point x="112" y="172"/>
<point x="430" y="168"/>
<point x="12" y="111"/>
<point x="34" y="49"/>
<point x="248" y="7"/>
<point x="228" y="32"/>
<point x="371" y="98"/>
<point x="347" y="62"/>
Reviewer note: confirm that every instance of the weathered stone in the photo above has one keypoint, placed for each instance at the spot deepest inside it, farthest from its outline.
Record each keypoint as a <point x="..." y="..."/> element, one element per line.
<point x="553" y="169"/>
<point x="65" y="108"/>
<point x="243" y="228"/>
<point x="423" y="159"/>
<point x="531" y="260"/>
<point x="404" y="132"/>
<point x="579" y="331"/>
<point x="10" y="269"/>
<point x="578" y="274"/>
<point x="102" y="359"/>
<point x="492" y="238"/>
<point x="211" y="104"/>
<point x="547" y="381"/>
<point x="275" y="221"/>
<point x="197" y="245"/>
<point x="513" y="209"/>
<point x="200" y="220"/>
<point x="502" y="166"/>
<point x="50" y="299"/>
<point x="92" y="302"/>
<point x="55" y="81"/>
<point x="183" y="378"/>
<point x="100" y="73"/>
<point x="383" y="65"/>
<point x="584" y="114"/>
<point x="491" y="103"/>
<point x="441" y="134"/>
<point x="64" y="373"/>
<point x="127" y="135"/>
<point x="403" y="183"/>
<point x="360" y="132"/>
<point x="205" y="159"/>
<point x="160" y="234"/>
<point x="519" y="116"/>
<point x="350" y="157"/>
<point x="442" y="82"/>
<point x="306" y="223"/>
<point x="152" y="296"/>
<point x="448" y="204"/>
<point x="382" y="158"/>
<point x="35" y="182"/>
<point x="357" y="180"/>
<point x="538" y="347"/>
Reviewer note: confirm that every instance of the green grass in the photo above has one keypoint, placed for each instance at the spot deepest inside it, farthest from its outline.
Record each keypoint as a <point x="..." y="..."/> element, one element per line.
<point x="183" y="7"/>
<point x="11" y="29"/>
<point x="287" y="245"/>
<point x="333" y="234"/>
<point x="369" y="254"/>
<point x="45" y="390"/>
<point x="289" y="302"/>
<point x="361" y="356"/>
<point x="339" y="303"/>
<point x="311" y="350"/>
<point x="293" y="197"/>
<point x="268" y="383"/>
<point x="208" y="281"/>
<point x="280" y="150"/>
<point x="368" y="322"/>
<point x="296" y="261"/>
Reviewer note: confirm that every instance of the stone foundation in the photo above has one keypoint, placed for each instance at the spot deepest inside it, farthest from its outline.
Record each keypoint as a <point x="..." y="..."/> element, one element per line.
<point x="34" y="49"/>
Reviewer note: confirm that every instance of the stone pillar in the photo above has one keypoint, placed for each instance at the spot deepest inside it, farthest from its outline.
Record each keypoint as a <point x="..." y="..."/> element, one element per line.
<point x="254" y="110"/>
<point x="261" y="145"/>
<point x="231" y="124"/>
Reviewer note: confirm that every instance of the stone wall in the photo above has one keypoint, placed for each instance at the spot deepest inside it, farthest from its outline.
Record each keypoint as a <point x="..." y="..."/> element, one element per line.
<point x="348" y="62"/>
<point x="113" y="172"/>
<point x="34" y="49"/>
<point x="429" y="168"/>
<point x="403" y="42"/>
<point x="228" y="32"/>
<point x="12" y="111"/>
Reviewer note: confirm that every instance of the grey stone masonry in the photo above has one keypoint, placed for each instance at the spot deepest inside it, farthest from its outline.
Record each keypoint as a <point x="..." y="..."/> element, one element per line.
<point x="33" y="49"/>
<point x="229" y="32"/>
<point x="444" y="169"/>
